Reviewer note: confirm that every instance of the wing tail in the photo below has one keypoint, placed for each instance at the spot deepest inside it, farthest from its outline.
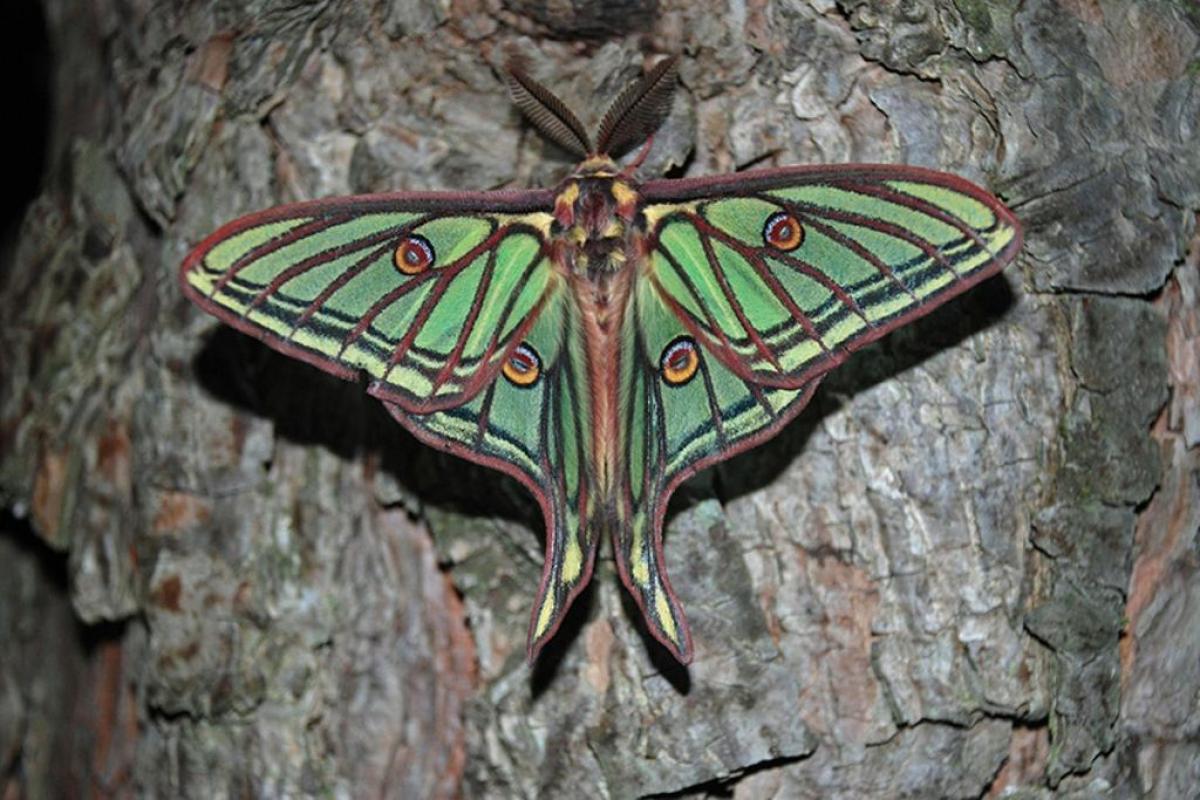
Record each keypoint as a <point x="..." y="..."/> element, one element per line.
<point x="570" y="556"/>
<point x="638" y="545"/>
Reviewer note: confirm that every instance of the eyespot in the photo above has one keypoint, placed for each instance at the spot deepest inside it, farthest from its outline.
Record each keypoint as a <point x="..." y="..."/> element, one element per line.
<point x="783" y="231"/>
<point x="523" y="367"/>
<point x="680" y="360"/>
<point x="413" y="255"/>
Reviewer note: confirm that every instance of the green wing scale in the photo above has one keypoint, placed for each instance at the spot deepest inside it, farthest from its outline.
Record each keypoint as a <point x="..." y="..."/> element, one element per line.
<point x="603" y="341"/>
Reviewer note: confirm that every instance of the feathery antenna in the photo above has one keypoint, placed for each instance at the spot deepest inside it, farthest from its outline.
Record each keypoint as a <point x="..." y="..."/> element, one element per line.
<point x="638" y="110"/>
<point x="547" y="113"/>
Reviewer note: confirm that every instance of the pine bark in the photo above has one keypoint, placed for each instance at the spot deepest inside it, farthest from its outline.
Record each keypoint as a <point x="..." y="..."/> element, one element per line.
<point x="969" y="566"/>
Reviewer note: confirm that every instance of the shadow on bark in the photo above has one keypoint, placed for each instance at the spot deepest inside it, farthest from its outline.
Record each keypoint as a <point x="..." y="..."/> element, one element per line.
<point x="545" y="669"/>
<point x="309" y="407"/>
<point x="978" y="309"/>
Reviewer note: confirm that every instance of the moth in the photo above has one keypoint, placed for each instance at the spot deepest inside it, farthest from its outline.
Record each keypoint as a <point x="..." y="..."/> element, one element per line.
<point x="603" y="340"/>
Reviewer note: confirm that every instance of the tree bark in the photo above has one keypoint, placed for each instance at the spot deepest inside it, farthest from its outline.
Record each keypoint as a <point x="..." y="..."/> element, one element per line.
<point x="970" y="566"/>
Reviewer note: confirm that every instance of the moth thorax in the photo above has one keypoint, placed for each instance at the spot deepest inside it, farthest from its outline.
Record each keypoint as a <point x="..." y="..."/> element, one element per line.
<point x="595" y="214"/>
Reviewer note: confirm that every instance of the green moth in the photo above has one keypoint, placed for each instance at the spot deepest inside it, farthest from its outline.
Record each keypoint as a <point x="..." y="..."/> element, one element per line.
<point x="603" y="340"/>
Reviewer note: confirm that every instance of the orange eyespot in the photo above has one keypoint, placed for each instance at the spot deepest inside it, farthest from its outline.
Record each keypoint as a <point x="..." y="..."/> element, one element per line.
<point x="783" y="231"/>
<point x="523" y="367"/>
<point x="413" y="255"/>
<point x="680" y="361"/>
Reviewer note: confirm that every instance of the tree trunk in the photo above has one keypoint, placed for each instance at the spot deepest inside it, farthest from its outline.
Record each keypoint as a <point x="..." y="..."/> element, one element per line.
<point x="969" y="566"/>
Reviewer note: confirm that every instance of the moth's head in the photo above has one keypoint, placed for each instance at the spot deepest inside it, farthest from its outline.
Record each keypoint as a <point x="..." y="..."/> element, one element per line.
<point x="631" y="119"/>
<point x="596" y="166"/>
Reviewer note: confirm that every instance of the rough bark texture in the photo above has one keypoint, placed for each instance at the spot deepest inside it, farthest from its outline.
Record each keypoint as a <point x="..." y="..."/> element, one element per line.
<point x="970" y="567"/>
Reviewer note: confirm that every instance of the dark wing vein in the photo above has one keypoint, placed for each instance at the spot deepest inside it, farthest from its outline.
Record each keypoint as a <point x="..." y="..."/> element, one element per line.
<point x="734" y="303"/>
<point x="807" y="210"/>
<point x="337" y="283"/>
<point x="714" y="406"/>
<point x="472" y="314"/>
<point x="753" y="256"/>
<point x="268" y="247"/>
<point x="860" y="251"/>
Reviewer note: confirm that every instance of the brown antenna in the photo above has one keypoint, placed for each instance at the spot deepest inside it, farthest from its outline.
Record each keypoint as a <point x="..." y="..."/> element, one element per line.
<point x="547" y="113"/>
<point x="639" y="109"/>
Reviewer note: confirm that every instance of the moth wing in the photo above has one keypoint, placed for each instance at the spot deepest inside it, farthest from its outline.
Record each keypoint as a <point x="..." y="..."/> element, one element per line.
<point x="755" y="286"/>
<point x="529" y="424"/>
<point x="425" y="293"/>
<point x="782" y="273"/>
<point x="679" y="420"/>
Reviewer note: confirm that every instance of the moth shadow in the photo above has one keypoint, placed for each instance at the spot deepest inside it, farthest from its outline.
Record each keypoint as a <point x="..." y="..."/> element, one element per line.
<point x="976" y="310"/>
<point x="564" y="640"/>
<point x="310" y="407"/>
<point x="664" y="663"/>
